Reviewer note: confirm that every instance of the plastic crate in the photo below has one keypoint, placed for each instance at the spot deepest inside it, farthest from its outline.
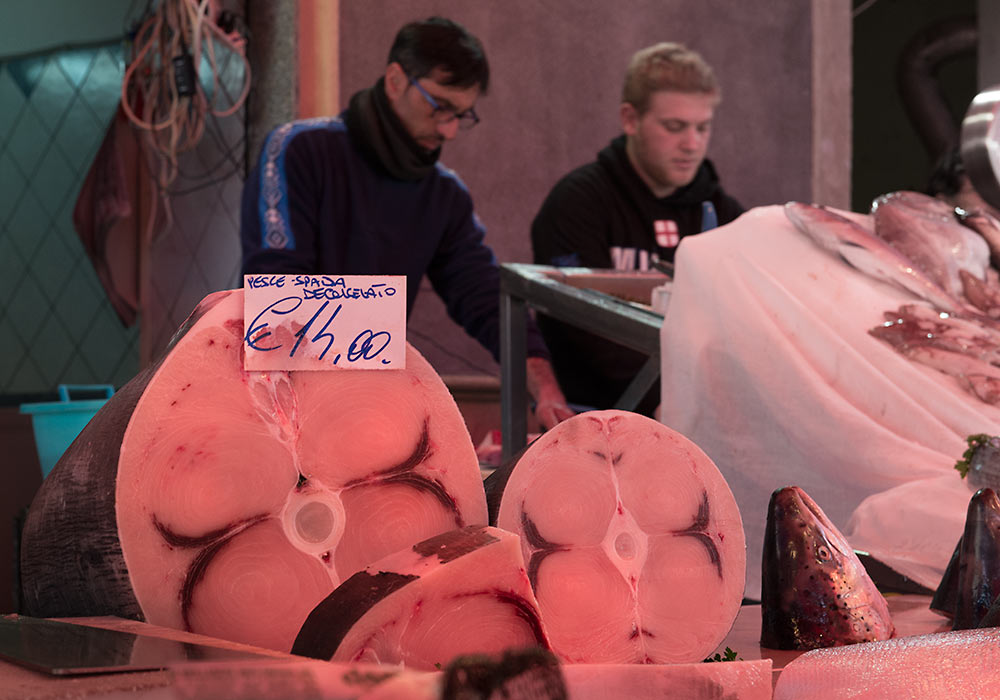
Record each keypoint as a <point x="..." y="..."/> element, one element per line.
<point x="57" y="423"/>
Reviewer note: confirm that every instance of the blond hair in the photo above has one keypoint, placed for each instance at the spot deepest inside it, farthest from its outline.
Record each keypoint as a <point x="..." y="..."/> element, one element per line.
<point x="666" y="66"/>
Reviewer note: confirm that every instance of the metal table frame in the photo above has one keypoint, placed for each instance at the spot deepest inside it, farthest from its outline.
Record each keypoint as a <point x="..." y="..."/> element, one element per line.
<point x="544" y="289"/>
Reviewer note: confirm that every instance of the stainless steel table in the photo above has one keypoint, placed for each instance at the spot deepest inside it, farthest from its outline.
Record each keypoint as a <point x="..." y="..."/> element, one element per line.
<point x="598" y="301"/>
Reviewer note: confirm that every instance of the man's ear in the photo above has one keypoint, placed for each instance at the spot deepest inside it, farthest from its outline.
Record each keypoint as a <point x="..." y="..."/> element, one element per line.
<point x="395" y="81"/>
<point x="629" y="117"/>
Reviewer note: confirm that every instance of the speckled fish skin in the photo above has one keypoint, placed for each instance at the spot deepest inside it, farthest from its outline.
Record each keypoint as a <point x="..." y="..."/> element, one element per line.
<point x="815" y="592"/>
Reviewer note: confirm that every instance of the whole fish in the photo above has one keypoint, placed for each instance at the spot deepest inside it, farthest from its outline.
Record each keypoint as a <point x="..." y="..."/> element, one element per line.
<point x="983" y="223"/>
<point x="815" y="592"/>
<point x="926" y="231"/>
<point x="972" y="580"/>
<point x="867" y="253"/>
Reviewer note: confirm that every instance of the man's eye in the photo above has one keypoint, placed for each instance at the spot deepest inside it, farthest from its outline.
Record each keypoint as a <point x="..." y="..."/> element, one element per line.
<point x="674" y="127"/>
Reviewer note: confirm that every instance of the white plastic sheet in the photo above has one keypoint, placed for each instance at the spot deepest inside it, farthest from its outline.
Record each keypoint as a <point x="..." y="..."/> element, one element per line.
<point x="767" y="365"/>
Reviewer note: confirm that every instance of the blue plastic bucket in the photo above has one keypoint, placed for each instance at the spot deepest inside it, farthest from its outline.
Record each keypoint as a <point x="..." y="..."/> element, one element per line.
<point x="57" y="423"/>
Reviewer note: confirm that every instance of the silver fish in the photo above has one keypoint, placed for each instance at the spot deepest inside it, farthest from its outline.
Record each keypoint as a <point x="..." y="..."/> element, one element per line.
<point x="867" y="253"/>
<point x="927" y="231"/>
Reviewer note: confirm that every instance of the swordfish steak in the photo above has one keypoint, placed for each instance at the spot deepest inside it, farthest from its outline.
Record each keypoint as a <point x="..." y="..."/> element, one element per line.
<point x="208" y="498"/>
<point x="632" y="538"/>
<point x="461" y="592"/>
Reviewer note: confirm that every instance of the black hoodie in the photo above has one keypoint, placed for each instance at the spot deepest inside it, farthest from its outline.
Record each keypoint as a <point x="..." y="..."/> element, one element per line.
<point x="602" y="215"/>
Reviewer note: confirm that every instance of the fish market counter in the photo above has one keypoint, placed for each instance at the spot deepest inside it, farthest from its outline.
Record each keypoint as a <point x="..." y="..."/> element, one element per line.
<point x="60" y="657"/>
<point x="766" y="363"/>
<point x="911" y="615"/>
<point x="768" y="366"/>
<point x="269" y="674"/>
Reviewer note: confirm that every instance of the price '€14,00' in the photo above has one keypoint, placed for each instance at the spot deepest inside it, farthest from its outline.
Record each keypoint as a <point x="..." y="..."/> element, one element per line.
<point x="319" y="322"/>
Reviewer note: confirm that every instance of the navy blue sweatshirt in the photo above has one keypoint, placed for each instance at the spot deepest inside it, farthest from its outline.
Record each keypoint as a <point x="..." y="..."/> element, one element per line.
<point x="313" y="204"/>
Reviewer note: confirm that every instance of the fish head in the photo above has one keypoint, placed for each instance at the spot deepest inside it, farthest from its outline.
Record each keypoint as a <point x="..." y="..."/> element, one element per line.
<point x="815" y="592"/>
<point x="978" y="572"/>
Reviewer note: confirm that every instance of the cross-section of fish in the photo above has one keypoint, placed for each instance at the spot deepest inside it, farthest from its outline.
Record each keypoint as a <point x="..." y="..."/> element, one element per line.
<point x="814" y="591"/>
<point x="942" y="666"/>
<point x="972" y="580"/>
<point x="868" y="253"/>
<point x="633" y="540"/>
<point x="462" y="592"/>
<point x="208" y="498"/>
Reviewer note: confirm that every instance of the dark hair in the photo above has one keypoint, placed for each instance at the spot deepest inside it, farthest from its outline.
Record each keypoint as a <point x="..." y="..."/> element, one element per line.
<point x="948" y="174"/>
<point x="436" y="42"/>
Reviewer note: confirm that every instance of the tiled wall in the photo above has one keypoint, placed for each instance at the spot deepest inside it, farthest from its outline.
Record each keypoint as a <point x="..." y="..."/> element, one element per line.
<point x="55" y="324"/>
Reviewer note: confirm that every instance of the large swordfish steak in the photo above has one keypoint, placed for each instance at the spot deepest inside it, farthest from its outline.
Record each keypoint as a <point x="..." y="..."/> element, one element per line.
<point x="632" y="538"/>
<point x="207" y="498"/>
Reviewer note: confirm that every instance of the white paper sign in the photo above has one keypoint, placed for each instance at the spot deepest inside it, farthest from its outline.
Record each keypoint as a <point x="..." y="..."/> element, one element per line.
<point x="324" y="322"/>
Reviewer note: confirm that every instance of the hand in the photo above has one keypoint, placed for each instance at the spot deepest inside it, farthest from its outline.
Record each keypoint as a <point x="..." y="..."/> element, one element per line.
<point x="550" y="404"/>
<point x="551" y="413"/>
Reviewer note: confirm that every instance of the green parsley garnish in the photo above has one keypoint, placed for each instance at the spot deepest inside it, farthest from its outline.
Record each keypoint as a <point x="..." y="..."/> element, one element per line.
<point x="964" y="465"/>
<point x="728" y="655"/>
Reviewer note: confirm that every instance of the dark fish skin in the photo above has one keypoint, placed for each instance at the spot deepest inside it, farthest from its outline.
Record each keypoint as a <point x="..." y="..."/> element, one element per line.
<point x="971" y="588"/>
<point x="945" y="600"/>
<point x="815" y="592"/>
<point x="992" y="616"/>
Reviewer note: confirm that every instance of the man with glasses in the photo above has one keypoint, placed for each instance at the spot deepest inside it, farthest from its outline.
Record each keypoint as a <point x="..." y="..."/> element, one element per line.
<point x="363" y="193"/>
<point x="648" y="189"/>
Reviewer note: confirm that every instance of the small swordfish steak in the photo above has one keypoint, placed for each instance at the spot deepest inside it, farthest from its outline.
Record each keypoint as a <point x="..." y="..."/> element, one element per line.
<point x="229" y="503"/>
<point x="815" y="591"/>
<point x="633" y="540"/>
<point x="462" y="592"/>
<point x="971" y="583"/>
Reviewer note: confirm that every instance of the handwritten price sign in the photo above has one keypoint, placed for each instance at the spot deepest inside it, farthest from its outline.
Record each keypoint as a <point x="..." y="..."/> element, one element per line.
<point x="323" y="322"/>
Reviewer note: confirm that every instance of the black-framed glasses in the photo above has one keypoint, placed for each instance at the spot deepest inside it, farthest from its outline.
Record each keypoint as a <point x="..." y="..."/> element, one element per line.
<point x="443" y="115"/>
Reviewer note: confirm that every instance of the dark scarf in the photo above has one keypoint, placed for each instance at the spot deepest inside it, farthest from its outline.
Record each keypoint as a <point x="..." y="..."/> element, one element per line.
<point x="376" y="130"/>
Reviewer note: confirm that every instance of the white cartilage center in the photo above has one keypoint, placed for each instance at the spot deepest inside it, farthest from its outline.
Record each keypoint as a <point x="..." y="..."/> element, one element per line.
<point x="314" y="521"/>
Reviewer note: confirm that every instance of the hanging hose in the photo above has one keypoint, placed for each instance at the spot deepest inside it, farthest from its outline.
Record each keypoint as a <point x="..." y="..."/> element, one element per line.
<point x="163" y="93"/>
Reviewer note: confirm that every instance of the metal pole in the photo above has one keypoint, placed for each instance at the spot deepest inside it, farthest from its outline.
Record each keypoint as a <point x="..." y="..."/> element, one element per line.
<point x="513" y="374"/>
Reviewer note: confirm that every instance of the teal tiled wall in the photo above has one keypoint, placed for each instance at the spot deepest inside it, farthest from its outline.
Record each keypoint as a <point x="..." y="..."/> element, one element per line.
<point x="56" y="326"/>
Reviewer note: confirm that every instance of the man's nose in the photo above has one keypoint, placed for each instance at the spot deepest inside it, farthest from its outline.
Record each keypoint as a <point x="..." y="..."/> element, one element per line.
<point x="691" y="140"/>
<point x="449" y="129"/>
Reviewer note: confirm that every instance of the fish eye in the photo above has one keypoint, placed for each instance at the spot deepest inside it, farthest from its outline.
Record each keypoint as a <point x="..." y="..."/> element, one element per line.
<point x="823" y="552"/>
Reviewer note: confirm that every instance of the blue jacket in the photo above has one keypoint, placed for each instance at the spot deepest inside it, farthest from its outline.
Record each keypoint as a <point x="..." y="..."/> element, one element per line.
<point x="314" y="205"/>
